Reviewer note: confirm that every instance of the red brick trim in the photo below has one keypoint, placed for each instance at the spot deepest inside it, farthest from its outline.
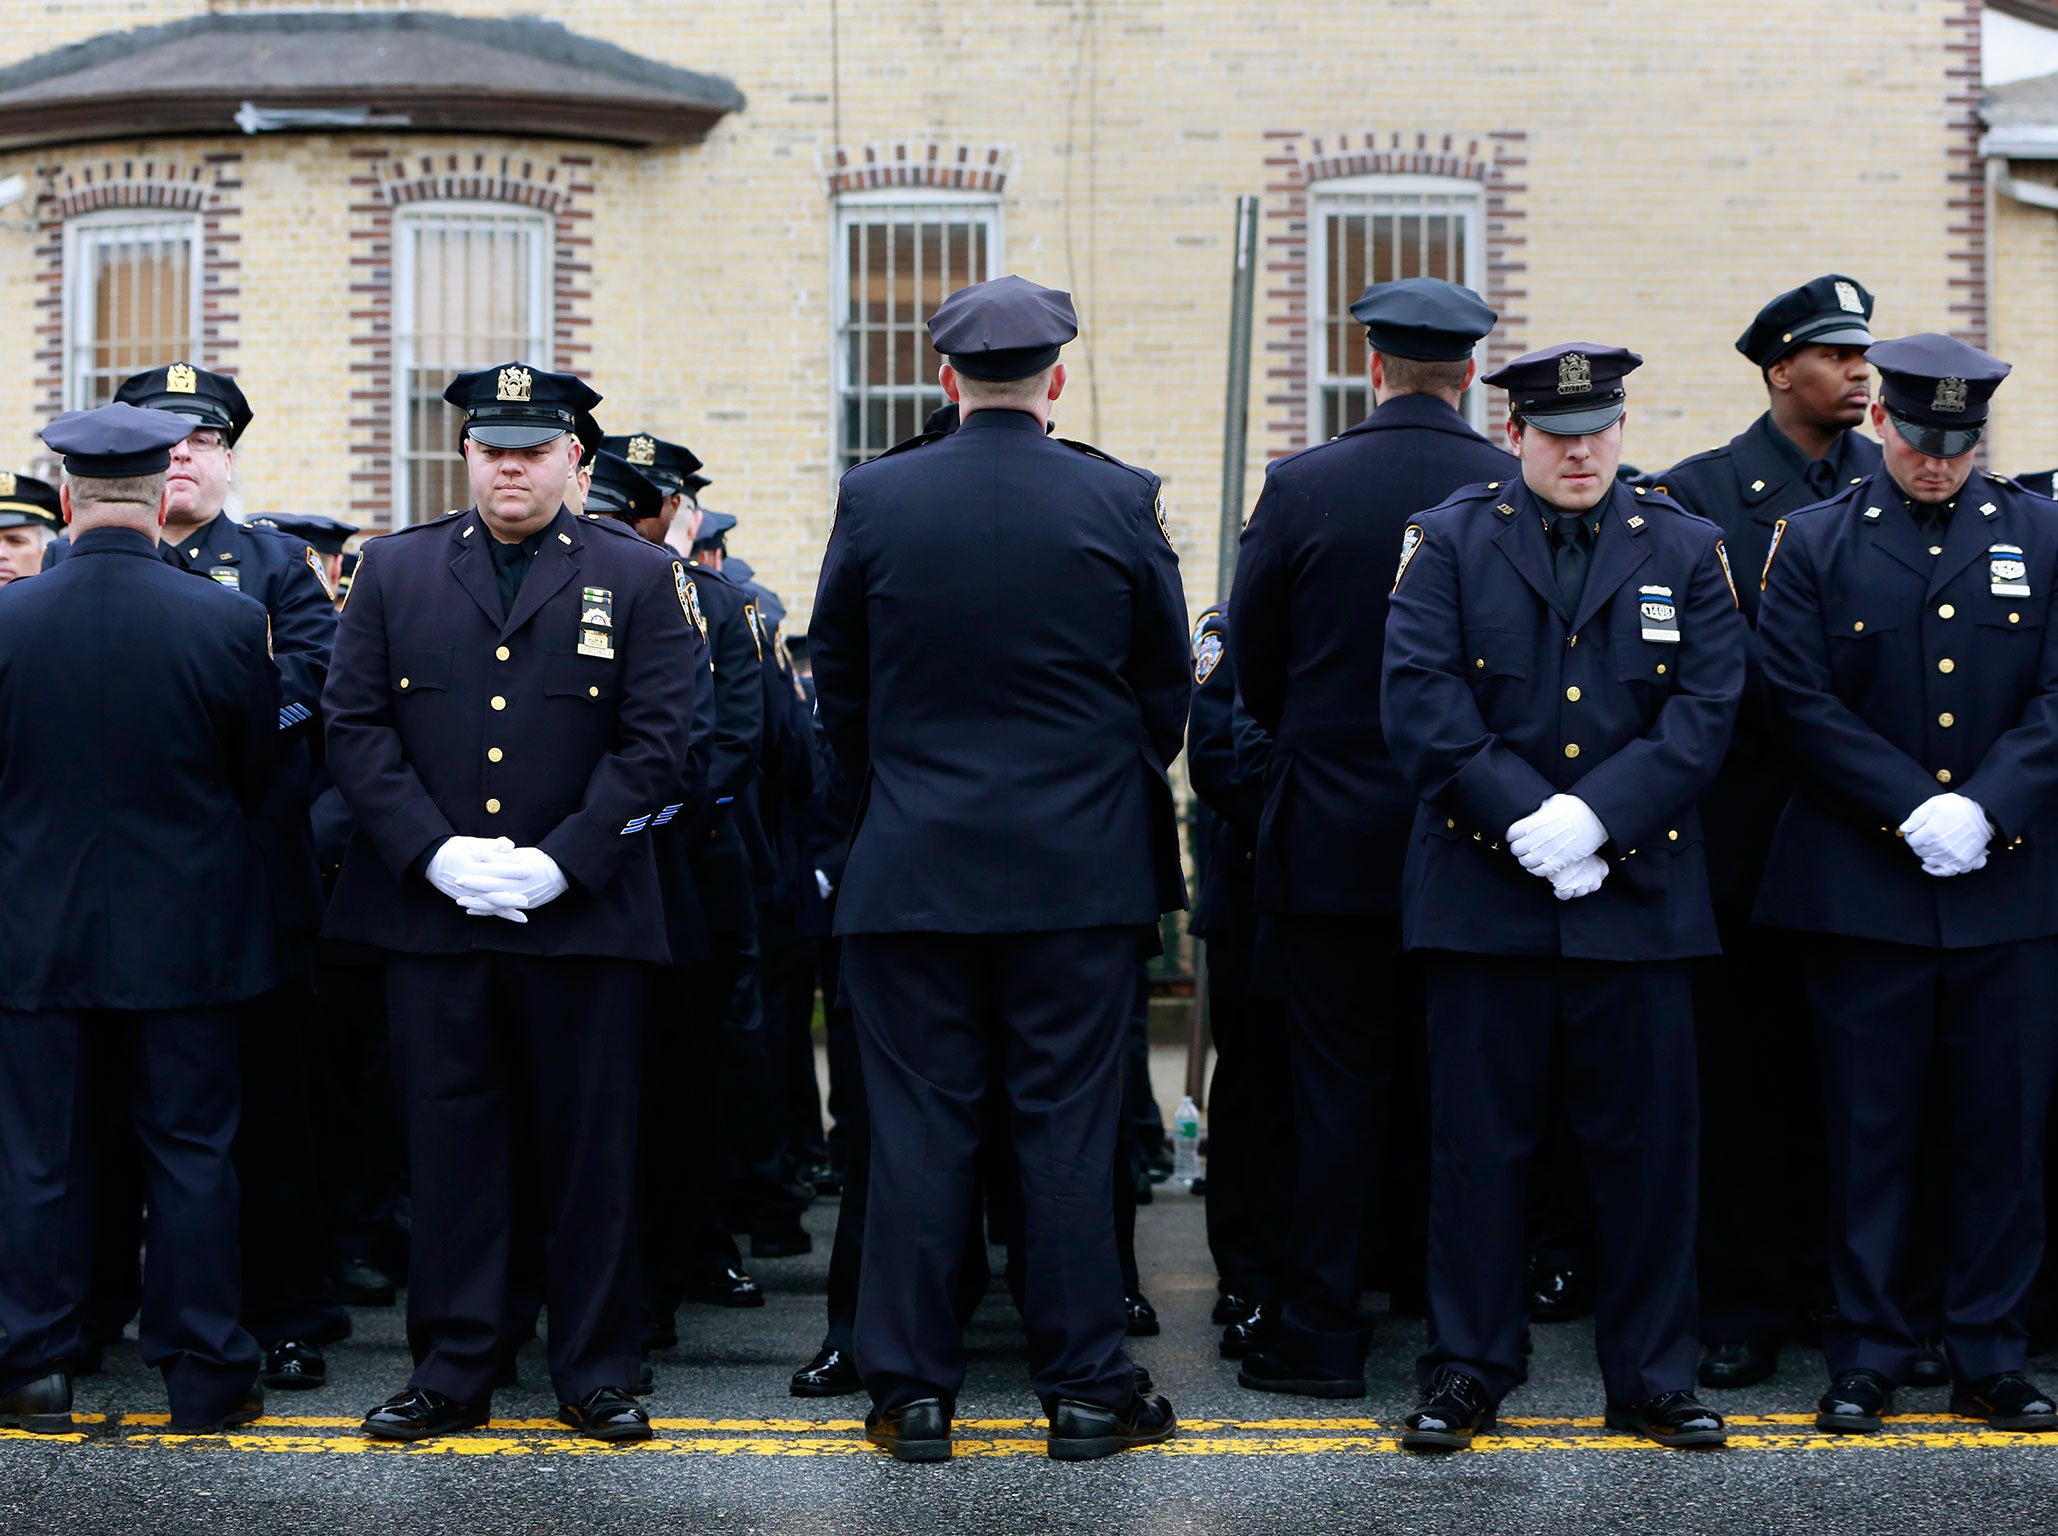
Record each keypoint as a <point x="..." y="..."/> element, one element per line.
<point x="918" y="162"/>
<point x="1295" y="162"/>
<point x="1966" y="176"/>
<point x="210" y="186"/>
<point x="385" y="179"/>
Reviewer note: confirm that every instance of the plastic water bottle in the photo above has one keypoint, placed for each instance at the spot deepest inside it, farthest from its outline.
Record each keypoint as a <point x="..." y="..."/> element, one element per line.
<point x="1186" y="1142"/>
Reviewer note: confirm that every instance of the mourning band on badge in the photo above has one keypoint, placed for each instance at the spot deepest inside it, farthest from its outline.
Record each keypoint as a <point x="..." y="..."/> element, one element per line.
<point x="2007" y="571"/>
<point x="1411" y="544"/>
<point x="1207" y="655"/>
<point x="1778" y="533"/>
<point x="1722" y="554"/>
<point x="1660" y="615"/>
<point x="597" y="623"/>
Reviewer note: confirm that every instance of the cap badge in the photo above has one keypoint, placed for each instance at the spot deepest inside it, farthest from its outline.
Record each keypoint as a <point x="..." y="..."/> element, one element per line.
<point x="1950" y="396"/>
<point x="180" y="379"/>
<point x="6" y="482"/>
<point x="642" y="450"/>
<point x="1847" y="298"/>
<point x="514" y="384"/>
<point x="1575" y="374"/>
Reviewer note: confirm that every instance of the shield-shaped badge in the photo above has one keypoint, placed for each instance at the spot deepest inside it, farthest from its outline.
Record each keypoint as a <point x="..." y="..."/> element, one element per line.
<point x="1660" y="615"/>
<point x="2007" y="571"/>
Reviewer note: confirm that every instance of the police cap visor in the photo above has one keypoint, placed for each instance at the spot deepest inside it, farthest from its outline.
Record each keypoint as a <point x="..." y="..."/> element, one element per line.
<point x="1937" y="442"/>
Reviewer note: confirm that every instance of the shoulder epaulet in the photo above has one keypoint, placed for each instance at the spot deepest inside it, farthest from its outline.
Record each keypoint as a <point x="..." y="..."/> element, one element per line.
<point x="1092" y="452"/>
<point x="267" y="530"/>
<point x="908" y="445"/>
<point x="434" y="522"/>
<point x="2003" y="480"/>
<point x="1498" y="494"/>
<point x="1705" y="456"/>
<point x="614" y="527"/>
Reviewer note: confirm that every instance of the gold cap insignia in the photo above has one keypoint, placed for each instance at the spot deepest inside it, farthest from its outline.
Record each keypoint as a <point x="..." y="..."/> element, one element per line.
<point x="1847" y="297"/>
<point x="515" y="384"/>
<point x="1575" y="374"/>
<point x="181" y="379"/>
<point x="642" y="450"/>
<point x="6" y="482"/>
<point x="1951" y="396"/>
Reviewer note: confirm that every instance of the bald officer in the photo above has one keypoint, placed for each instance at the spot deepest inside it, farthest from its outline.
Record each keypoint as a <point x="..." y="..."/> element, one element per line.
<point x="1911" y="657"/>
<point x="1012" y="847"/>
<point x="509" y="716"/>
<point x="1563" y="661"/>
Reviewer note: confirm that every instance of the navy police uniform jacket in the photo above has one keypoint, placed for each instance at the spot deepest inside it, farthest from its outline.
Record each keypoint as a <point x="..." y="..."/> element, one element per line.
<point x="1227" y="753"/>
<point x="1496" y="699"/>
<point x="1308" y="622"/>
<point x="564" y="726"/>
<point x="138" y="731"/>
<point x="1001" y="664"/>
<point x="1894" y="675"/>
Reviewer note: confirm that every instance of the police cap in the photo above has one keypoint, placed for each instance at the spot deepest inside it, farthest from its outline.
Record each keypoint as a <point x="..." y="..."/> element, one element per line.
<point x="204" y="399"/>
<point x="769" y="608"/>
<point x="587" y="431"/>
<point x="739" y="568"/>
<point x="1008" y="328"/>
<point x="1424" y="318"/>
<point x="1568" y="390"/>
<point x="1830" y="311"/>
<point x="116" y="441"/>
<point x="620" y="491"/>
<point x="1936" y="390"/>
<point x="26" y="501"/>
<point x="325" y="534"/>
<point x="516" y="406"/>
<point x="693" y="485"/>
<point x="665" y="465"/>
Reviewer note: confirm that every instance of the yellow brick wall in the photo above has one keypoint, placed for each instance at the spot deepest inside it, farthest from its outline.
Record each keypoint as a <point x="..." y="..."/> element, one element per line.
<point x="2024" y="436"/>
<point x="1682" y="167"/>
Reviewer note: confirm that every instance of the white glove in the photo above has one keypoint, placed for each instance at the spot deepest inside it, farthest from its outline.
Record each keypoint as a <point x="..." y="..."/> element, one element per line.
<point x="1582" y="877"/>
<point x="456" y="858"/>
<point x="1558" y="833"/>
<point x="1949" y="833"/>
<point x="512" y="883"/>
<point x="822" y="884"/>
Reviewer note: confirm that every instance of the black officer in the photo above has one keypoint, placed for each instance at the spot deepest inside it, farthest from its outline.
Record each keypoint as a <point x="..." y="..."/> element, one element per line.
<point x="163" y="684"/>
<point x="1307" y="620"/>
<point x="1760" y="1240"/>
<point x="1010" y="847"/>
<point x="1911" y="659"/>
<point x="1563" y="661"/>
<point x="508" y="719"/>
<point x="29" y="519"/>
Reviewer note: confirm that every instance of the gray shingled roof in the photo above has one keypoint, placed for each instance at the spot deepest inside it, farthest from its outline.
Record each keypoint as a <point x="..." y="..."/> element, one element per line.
<point x="2031" y="103"/>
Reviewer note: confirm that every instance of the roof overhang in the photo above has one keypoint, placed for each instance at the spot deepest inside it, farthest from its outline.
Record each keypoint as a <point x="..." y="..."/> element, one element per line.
<point x="417" y="71"/>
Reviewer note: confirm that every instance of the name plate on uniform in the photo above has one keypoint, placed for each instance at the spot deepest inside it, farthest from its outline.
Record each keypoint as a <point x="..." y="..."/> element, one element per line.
<point x="1660" y="615"/>
<point x="596" y="623"/>
<point x="2007" y="571"/>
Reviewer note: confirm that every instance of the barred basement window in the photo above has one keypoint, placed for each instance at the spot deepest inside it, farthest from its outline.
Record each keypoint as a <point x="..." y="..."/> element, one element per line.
<point x="131" y="300"/>
<point x="899" y="254"/>
<point x="1375" y="229"/>
<point x="471" y="289"/>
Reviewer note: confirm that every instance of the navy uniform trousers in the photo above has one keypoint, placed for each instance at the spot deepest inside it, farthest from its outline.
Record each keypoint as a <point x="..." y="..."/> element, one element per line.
<point x="468" y="1031"/>
<point x="936" y="1015"/>
<point x="1621" y="1037"/>
<point x="177" y="1076"/>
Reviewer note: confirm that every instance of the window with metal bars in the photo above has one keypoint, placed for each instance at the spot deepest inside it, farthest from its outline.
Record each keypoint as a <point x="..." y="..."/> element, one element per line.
<point x="132" y="299"/>
<point x="899" y="254"/>
<point x="471" y="289"/>
<point x="1376" y="229"/>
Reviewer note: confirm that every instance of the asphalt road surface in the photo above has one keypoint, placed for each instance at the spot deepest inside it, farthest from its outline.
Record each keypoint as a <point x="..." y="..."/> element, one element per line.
<point x="736" y="1453"/>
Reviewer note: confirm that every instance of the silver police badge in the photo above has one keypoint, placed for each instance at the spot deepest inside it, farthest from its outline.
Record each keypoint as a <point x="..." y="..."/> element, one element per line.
<point x="1575" y="374"/>
<point x="596" y="623"/>
<point x="2007" y="571"/>
<point x="1660" y="615"/>
<point x="1847" y="298"/>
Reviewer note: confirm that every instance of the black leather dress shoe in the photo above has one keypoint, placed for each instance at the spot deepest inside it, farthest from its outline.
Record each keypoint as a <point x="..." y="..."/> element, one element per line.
<point x="1930" y="1368"/>
<point x="1558" y="1295"/>
<point x="1451" y="1412"/>
<point x="2007" y="1401"/>
<point x="1254" y="1331"/>
<point x="832" y="1373"/>
<point x="780" y="1240"/>
<point x="42" y="1406"/>
<point x="823" y="1179"/>
<point x="362" y="1284"/>
<point x="729" y="1287"/>
<point x="1738" y="1363"/>
<point x="920" y="1431"/>
<point x="1143" y="1317"/>
<point x="1087" y="1431"/>
<point x="1264" y="1371"/>
<point x="294" y="1366"/>
<point x="1855" y="1404"/>
<point x="419" y="1414"/>
<point x="246" y="1412"/>
<point x="1232" y="1307"/>
<point x="646" y="1378"/>
<point x="1676" y="1419"/>
<point x="606" y="1413"/>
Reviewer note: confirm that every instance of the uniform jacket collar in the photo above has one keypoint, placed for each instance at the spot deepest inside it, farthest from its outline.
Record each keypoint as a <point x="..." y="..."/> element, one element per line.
<point x="1767" y="462"/>
<point x="214" y="542"/>
<point x="1619" y="550"/>
<point x="1420" y="411"/>
<point x="113" y="541"/>
<point x="998" y="420"/>
<point x="556" y="563"/>
<point x="1976" y="522"/>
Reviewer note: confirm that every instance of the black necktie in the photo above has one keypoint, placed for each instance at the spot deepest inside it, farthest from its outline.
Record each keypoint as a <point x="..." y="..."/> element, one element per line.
<point x="1821" y="479"/>
<point x="1571" y="553"/>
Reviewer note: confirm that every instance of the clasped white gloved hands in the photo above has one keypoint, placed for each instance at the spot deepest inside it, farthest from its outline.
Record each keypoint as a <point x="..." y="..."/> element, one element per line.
<point x="1559" y="842"/>
<point x="1949" y="833"/>
<point x="490" y="877"/>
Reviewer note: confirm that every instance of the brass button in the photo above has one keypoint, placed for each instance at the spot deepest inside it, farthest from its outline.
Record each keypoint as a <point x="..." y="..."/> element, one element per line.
<point x="403" y="682"/>
<point x="2014" y="618"/>
<point x="1943" y="775"/>
<point x="502" y="653"/>
<point x="1450" y="825"/>
<point x="1661" y="669"/>
<point x="498" y="702"/>
<point x="1936" y="549"/>
<point x="1574" y="640"/>
<point x="1572" y="693"/>
<point x="494" y="754"/>
<point x="1946" y="611"/>
<point x="1671" y="837"/>
<point x="593" y="693"/>
<point x="492" y="807"/>
<point x="1572" y="749"/>
<point x="1858" y="628"/>
<point x="1947" y="665"/>
<point x="1480" y="663"/>
<point x="1947" y="720"/>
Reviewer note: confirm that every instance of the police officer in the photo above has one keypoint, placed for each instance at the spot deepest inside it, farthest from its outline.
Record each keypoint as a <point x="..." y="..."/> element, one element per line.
<point x="326" y="536"/>
<point x="1760" y="1241"/>
<point x="1011" y="847"/>
<point x="1563" y="660"/>
<point x="508" y="716"/>
<point x="29" y="520"/>
<point x="163" y="684"/>
<point x="1307" y="620"/>
<point x="1911" y="658"/>
<point x="665" y="465"/>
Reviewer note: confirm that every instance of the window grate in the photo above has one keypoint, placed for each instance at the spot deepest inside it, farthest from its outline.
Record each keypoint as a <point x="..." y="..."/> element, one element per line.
<point x="132" y="301"/>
